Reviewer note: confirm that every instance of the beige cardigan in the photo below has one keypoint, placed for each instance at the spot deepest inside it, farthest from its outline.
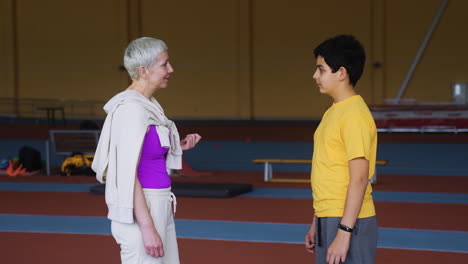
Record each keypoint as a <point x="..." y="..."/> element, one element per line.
<point x="117" y="155"/>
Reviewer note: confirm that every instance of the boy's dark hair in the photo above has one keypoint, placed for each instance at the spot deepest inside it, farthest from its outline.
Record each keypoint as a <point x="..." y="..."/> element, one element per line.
<point x="343" y="51"/>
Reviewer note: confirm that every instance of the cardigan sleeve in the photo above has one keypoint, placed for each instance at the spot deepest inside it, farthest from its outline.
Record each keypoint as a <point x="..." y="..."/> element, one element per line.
<point x="129" y="125"/>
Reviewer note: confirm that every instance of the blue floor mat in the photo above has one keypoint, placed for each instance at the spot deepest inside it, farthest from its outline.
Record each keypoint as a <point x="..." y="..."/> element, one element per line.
<point x="404" y="158"/>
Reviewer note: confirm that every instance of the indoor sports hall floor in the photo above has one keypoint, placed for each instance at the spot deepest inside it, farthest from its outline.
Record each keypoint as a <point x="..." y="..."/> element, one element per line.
<point x="421" y="199"/>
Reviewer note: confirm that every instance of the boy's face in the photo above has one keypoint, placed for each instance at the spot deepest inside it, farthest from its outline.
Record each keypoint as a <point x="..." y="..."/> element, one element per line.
<point x="325" y="79"/>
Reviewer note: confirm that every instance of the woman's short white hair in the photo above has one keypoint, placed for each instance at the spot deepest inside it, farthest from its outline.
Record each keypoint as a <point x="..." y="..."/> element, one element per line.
<point x="142" y="52"/>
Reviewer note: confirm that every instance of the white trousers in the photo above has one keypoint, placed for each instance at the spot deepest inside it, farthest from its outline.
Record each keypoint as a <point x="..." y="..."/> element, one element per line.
<point x="128" y="236"/>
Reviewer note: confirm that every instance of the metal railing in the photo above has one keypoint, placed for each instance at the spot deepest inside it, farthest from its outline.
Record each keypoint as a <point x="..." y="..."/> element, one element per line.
<point x="423" y="129"/>
<point x="34" y="108"/>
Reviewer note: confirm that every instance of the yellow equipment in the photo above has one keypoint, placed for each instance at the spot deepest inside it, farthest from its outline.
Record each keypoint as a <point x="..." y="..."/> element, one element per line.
<point x="77" y="164"/>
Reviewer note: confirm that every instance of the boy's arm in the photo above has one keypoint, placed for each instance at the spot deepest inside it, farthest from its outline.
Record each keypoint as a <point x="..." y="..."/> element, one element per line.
<point x="358" y="180"/>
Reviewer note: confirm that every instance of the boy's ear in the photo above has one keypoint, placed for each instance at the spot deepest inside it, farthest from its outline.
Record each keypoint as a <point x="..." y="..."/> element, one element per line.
<point x="342" y="73"/>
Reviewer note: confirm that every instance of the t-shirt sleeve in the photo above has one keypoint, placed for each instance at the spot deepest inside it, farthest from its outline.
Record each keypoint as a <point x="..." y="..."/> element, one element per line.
<point x="357" y="133"/>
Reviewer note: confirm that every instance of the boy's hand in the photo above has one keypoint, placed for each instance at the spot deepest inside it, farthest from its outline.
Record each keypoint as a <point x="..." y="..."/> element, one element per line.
<point x="310" y="239"/>
<point x="339" y="248"/>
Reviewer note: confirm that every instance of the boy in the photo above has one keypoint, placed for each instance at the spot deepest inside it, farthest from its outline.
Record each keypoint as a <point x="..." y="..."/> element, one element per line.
<point x="344" y="229"/>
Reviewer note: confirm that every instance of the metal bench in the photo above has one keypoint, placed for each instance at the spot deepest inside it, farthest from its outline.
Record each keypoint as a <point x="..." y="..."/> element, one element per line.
<point x="268" y="171"/>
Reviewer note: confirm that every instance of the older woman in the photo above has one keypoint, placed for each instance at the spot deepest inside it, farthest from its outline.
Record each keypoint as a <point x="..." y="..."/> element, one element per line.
<point x="138" y="145"/>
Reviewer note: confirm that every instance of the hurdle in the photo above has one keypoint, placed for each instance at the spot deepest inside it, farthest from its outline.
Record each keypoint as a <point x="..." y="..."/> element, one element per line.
<point x="268" y="169"/>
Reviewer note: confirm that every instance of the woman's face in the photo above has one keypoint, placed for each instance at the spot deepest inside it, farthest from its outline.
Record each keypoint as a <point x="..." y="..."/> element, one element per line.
<point x="159" y="73"/>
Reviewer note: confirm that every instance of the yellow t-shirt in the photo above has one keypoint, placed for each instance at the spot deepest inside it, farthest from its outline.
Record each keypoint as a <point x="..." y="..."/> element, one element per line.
<point x="347" y="131"/>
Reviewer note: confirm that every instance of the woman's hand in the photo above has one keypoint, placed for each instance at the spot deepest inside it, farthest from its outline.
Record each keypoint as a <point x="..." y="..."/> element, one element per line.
<point x="190" y="141"/>
<point x="152" y="242"/>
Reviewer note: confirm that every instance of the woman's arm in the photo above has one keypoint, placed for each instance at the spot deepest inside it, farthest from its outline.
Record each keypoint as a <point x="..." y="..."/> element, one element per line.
<point x="151" y="239"/>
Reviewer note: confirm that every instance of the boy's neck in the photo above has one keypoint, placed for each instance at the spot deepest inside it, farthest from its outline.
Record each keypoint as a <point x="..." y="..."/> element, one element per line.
<point x="343" y="93"/>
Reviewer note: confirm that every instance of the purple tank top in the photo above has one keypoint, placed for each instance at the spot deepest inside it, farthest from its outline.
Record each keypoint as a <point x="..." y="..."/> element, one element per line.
<point x="152" y="171"/>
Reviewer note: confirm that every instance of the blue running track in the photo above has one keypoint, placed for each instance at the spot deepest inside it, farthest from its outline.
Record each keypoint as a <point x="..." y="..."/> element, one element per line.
<point x="450" y="241"/>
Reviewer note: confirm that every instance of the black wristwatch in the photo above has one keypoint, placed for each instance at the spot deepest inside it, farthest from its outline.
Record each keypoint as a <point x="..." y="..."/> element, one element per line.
<point x="345" y="228"/>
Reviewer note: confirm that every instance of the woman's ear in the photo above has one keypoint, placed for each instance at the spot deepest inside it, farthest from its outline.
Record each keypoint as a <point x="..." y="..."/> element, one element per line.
<point x="142" y="72"/>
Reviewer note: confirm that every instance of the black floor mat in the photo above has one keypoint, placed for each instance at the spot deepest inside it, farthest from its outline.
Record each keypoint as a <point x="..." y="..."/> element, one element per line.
<point x="198" y="189"/>
<point x="216" y="190"/>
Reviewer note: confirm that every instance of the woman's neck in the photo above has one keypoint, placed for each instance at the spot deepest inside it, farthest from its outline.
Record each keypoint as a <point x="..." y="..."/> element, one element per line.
<point x="139" y="87"/>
